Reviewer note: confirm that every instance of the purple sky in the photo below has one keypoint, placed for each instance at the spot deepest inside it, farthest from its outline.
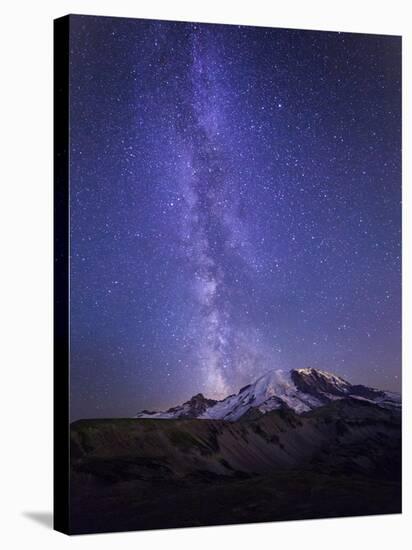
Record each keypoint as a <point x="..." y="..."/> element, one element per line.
<point x="235" y="208"/>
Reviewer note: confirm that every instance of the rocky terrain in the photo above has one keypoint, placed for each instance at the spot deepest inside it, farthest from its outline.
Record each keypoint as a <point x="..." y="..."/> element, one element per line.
<point x="341" y="457"/>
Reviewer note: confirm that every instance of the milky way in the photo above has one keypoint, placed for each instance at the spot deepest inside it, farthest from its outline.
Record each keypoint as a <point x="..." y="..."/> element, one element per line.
<point x="235" y="208"/>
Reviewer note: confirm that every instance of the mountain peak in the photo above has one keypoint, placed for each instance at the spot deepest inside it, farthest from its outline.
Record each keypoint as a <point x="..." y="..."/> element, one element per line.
<point x="311" y="371"/>
<point x="197" y="397"/>
<point x="316" y="382"/>
<point x="301" y="390"/>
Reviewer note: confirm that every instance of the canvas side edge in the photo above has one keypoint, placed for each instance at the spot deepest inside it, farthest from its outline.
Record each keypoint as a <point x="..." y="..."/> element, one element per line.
<point x="61" y="276"/>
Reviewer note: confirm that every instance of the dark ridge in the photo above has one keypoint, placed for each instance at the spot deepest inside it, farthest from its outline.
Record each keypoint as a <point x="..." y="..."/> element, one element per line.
<point x="368" y="393"/>
<point x="314" y="383"/>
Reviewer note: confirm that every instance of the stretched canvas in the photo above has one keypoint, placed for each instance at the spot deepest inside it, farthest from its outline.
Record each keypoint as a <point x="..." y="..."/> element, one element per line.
<point x="228" y="274"/>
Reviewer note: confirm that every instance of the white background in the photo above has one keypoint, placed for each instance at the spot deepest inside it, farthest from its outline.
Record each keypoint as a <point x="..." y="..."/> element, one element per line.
<point x="26" y="273"/>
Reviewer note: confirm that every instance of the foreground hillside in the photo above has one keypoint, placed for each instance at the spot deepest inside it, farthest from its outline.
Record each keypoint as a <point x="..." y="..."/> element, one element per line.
<point x="339" y="459"/>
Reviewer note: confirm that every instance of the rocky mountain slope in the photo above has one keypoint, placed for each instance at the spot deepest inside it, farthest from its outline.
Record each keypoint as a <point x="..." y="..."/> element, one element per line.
<point x="301" y="444"/>
<point x="278" y="439"/>
<point x="342" y="458"/>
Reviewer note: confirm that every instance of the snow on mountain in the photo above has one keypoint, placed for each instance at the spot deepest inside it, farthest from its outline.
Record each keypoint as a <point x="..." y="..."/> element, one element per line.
<point x="300" y="389"/>
<point x="193" y="408"/>
<point x="273" y="390"/>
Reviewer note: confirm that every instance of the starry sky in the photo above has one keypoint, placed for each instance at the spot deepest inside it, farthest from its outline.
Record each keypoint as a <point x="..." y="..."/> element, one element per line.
<point x="235" y="199"/>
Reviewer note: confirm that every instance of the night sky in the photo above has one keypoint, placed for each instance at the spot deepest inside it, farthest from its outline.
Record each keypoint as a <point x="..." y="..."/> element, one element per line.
<point x="235" y="207"/>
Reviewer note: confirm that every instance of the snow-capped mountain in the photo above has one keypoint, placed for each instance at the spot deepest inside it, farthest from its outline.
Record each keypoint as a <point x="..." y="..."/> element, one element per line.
<point x="196" y="407"/>
<point x="301" y="390"/>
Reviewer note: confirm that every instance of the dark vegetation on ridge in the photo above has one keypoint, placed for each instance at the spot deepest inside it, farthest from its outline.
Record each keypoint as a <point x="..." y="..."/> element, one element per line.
<point x="338" y="460"/>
